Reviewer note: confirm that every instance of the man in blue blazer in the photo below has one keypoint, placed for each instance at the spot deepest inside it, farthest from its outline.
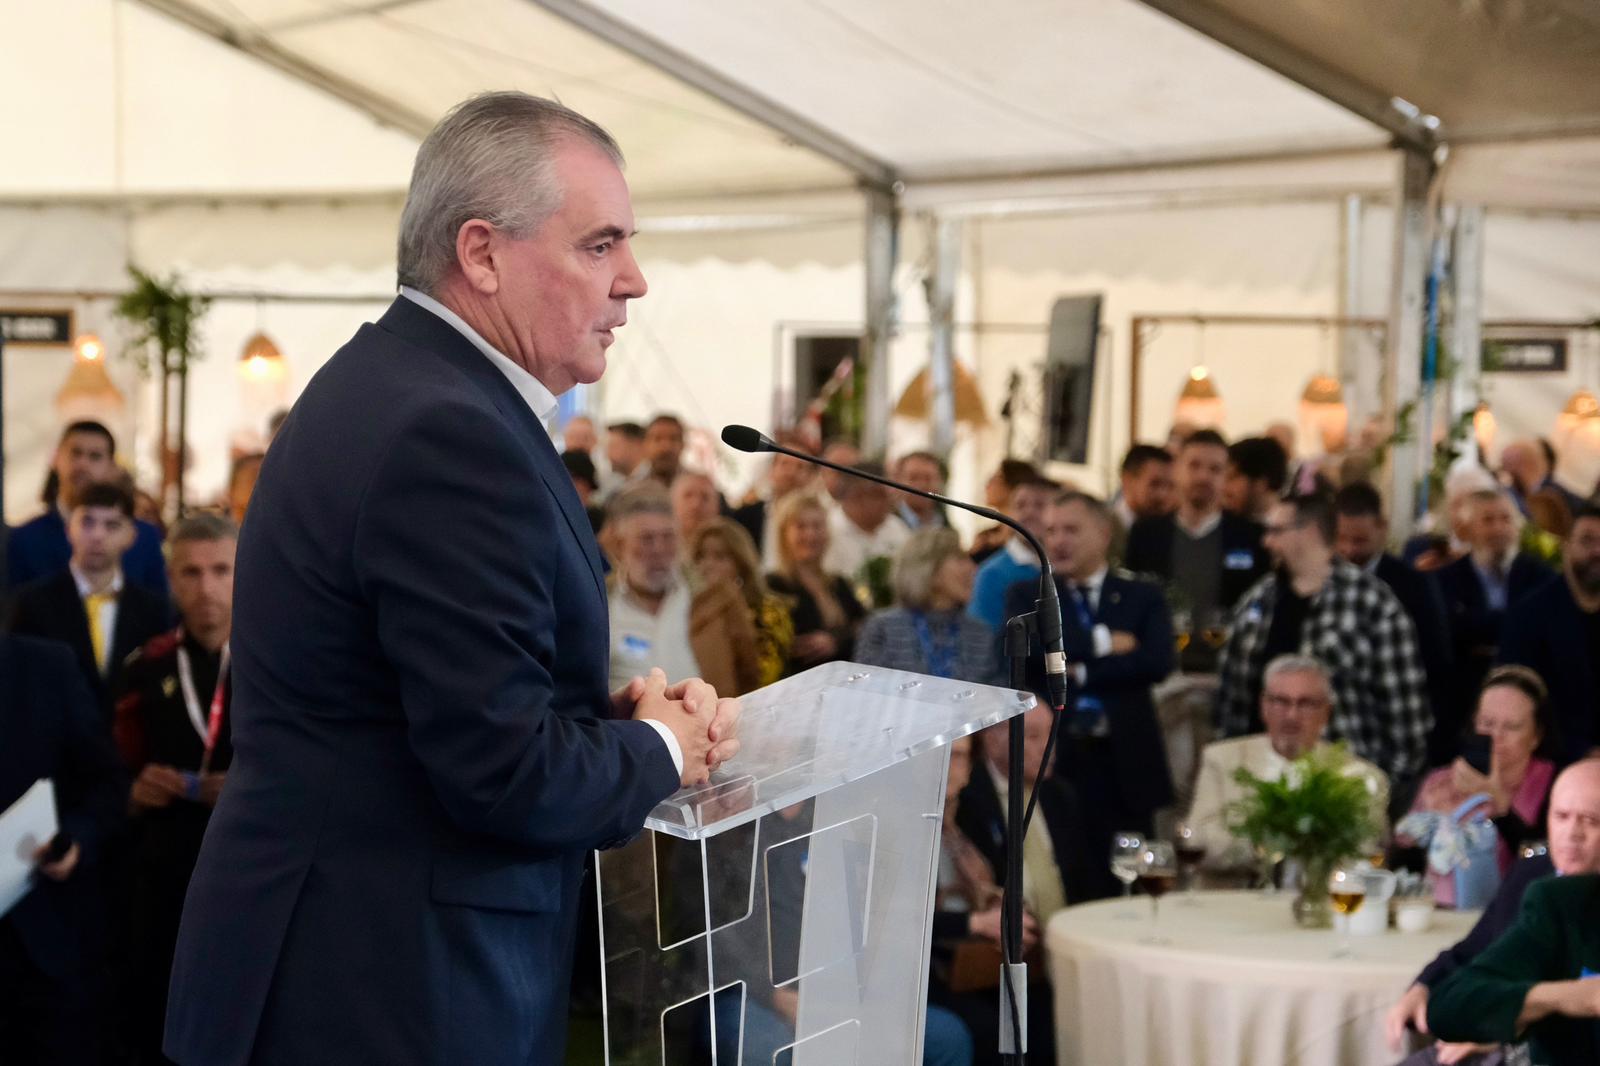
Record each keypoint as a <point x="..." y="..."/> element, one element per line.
<point x="424" y="745"/>
<point x="52" y="943"/>
<point x="86" y="455"/>
<point x="1119" y="643"/>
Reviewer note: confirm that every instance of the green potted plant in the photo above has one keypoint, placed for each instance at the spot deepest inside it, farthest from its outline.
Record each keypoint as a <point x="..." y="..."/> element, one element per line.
<point x="1319" y="814"/>
<point x="163" y="317"/>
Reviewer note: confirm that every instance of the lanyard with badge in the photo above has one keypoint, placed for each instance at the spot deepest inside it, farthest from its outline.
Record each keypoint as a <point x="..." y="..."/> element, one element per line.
<point x="1089" y="711"/>
<point x="208" y="726"/>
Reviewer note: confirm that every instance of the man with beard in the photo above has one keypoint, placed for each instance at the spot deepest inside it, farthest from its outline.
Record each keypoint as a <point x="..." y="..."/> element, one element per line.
<point x="173" y="729"/>
<point x="1316" y="604"/>
<point x="1556" y="631"/>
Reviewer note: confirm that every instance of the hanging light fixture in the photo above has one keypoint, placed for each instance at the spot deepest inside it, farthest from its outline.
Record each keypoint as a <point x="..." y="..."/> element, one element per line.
<point x="1323" y="412"/>
<point x="1199" y="404"/>
<point x="1582" y="406"/>
<point x="1483" y="429"/>
<point x="261" y="362"/>
<point x="88" y="390"/>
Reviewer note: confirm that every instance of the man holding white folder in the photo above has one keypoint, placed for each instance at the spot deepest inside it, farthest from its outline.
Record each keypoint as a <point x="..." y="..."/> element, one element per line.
<point x="52" y="940"/>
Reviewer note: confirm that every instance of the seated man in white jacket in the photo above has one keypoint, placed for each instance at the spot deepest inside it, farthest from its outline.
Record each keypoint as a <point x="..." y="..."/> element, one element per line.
<point x="1296" y="700"/>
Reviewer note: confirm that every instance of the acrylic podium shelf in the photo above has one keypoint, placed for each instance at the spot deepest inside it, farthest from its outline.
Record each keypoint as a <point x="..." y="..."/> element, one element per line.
<point x="811" y="859"/>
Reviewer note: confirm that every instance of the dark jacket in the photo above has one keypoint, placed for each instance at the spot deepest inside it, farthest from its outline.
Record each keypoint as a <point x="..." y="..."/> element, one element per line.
<point x="1556" y="937"/>
<point x="420" y="757"/>
<point x="1548" y="633"/>
<point x="1475" y="630"/>
<point x="1419" y="595"/>
<point x="983" y="820"/>
<point x="1244" y="560"/>
<point x="49" y="728"/>
<point x="807" y="617"/>
<point x="51" y="608"/>
<point x="39" y="548"/>
<point x="1121" y="682"/>
<point x="1497" y="917"/>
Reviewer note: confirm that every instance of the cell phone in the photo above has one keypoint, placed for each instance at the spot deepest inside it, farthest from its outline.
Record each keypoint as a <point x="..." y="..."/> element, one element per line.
<point x="1475" y="749"/>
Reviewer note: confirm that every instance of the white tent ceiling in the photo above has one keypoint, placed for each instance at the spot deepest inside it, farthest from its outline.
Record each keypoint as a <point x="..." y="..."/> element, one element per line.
<point x="264" y="97"/>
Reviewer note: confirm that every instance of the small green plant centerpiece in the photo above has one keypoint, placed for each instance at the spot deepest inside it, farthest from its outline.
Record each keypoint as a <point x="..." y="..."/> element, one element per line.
<point x="1319" y="814"/>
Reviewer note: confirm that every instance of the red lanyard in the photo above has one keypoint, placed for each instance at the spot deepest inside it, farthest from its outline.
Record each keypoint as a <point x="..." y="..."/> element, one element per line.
<point x="209" y="728"/>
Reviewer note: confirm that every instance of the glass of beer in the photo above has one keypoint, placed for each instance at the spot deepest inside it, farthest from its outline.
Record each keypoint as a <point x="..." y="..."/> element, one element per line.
<point x="1347" y="889"/>
<point x="1158" y="875"/>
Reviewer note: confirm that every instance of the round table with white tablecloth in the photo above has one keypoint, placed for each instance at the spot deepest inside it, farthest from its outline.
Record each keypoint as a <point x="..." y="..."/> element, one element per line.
<point x="1238" y="985"/>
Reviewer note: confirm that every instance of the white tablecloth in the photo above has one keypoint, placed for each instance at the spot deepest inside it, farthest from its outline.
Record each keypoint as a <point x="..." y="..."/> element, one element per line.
<point x="1239" y="985"/>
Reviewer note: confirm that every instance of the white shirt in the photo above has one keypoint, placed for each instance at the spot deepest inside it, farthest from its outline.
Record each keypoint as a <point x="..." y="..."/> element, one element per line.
<point x="108" y="611"/>
<point x="1099" y="633"/>
<point x="641" y="640"/>
<point x="542" y="402"/>
<point x="851" y="546"/>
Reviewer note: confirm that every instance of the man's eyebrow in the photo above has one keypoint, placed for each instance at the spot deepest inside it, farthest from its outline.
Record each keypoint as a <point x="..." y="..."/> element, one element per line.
<point x="614" y="233"/>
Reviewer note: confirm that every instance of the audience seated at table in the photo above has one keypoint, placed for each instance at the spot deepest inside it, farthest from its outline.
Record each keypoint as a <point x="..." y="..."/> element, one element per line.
<point x="1574" y="848"/>
<point x="1513" y="716"/>
<point x="928" y="631"/>
<point x="1296" y="701"/>
<point x="823" y="605"/>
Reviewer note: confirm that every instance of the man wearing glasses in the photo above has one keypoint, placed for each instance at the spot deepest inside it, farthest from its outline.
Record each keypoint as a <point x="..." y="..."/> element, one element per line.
<point x="1316" y="604"/>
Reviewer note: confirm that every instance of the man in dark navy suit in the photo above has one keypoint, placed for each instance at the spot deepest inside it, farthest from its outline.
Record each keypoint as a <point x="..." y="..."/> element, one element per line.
<point x="53" y="941"/>
<point x="90" y="605"/>
<point x="1480" y="589"/>
<point x="1119" y="643"/>
<point x="86" y="455"/>
<point x="424" y="745"/>
<point x="1555" y="631"/>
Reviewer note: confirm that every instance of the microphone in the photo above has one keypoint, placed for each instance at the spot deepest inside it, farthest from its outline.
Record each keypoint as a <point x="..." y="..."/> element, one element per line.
<point x="748" y="439"/>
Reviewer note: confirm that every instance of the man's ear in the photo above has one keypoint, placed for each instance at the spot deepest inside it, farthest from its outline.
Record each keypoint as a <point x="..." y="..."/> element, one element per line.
<point x="475" y="255"/>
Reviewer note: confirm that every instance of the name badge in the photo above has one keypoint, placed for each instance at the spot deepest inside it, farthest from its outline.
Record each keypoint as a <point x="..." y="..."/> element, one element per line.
<point x="1239" y="560"/>
<point x="635" y="647"/>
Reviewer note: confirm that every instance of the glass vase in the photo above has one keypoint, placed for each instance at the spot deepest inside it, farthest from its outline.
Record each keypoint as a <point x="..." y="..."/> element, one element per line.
<point x="1312" y="908"/>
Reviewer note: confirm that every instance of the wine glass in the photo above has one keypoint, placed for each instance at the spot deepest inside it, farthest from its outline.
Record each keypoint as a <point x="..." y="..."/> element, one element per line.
<point x="1158" y="875"/>
<point x="1126" y="847"/>
<point x="1268" y="856"/>
<point x="1182" y="627"/>
<point x="1347" y="889"/>
<point x="1190" y="845"/>
<point x="1214" y="628"/>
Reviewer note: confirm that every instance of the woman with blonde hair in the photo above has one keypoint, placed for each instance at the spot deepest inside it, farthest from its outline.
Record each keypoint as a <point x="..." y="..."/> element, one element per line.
<point x="823" y="606"/>
<point x="928" y="631"/>
<point x="741" y="632"/>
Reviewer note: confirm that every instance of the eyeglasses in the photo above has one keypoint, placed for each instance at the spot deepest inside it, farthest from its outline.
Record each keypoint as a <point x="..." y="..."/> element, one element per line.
<point x="1284" y="703"/>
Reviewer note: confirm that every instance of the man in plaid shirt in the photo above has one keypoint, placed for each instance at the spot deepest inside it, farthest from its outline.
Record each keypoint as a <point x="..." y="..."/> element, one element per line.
<point x="1316" y="604"/>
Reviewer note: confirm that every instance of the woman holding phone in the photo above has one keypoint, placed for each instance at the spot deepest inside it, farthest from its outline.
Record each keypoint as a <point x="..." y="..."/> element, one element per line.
<point x="1500" y="758"/>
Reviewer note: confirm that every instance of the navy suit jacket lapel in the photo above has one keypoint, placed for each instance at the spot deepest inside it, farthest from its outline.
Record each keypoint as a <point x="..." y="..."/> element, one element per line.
<point x="416" y="323"/>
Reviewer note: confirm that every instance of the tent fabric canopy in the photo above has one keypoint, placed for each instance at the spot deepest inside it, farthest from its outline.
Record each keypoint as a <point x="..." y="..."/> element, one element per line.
<point x="262" y="97"/>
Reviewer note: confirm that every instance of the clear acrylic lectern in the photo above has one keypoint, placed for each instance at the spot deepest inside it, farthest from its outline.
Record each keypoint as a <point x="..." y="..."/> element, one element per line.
<point x="781" y="915"/>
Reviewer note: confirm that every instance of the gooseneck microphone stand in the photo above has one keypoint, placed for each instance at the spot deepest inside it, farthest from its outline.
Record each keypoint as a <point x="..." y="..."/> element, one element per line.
<point x="1044" y="621"/>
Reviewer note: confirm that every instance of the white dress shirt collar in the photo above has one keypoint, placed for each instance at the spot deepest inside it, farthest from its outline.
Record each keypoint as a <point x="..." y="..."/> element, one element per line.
<point x="1021" y="551"/>
<point x="1096" y="581"/>
<point x="85" y="589"/>
<point x="540" y="400"/>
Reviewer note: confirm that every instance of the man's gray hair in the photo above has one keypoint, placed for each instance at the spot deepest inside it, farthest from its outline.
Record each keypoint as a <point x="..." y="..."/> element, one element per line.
<point x="1299" y="664"/>
<point x="201" y="526"/>
<point x="492" y="157"/>
<point x="916" y="563"/>
<point x="645" y="498"/>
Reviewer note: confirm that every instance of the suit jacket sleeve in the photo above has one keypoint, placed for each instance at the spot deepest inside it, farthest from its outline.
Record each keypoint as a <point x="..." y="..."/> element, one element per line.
<point x="1480" y="1002"/>
<point x="1152" y="660"/>
<point x="91" y="787"/>
<point x="1496" y="919"/>
<point x="452" y="549"/>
